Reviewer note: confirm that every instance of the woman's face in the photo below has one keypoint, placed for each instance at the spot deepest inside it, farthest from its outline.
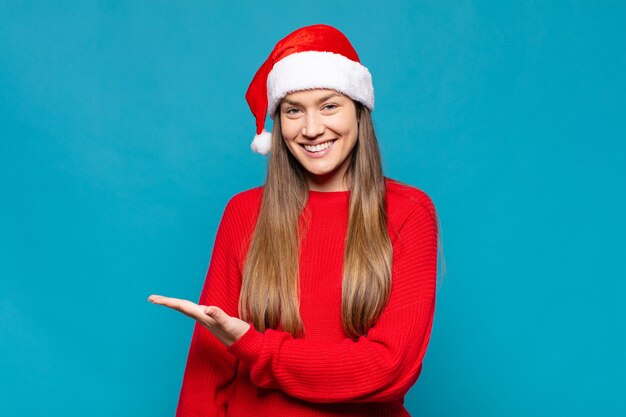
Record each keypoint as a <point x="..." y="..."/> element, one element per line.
<point x="320" y="129"/>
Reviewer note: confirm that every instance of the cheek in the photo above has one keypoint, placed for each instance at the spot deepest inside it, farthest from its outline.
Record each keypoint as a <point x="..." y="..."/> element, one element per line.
<point x="344" y="125"/>
<point x="289" y="129"/>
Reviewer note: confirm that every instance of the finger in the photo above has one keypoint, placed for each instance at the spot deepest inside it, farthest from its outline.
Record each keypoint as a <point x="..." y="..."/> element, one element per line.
<point x="166" y="301"/>
<point x="154" y="298"/>
<point x="216" y="314"/>
<point x="184" y="306"/>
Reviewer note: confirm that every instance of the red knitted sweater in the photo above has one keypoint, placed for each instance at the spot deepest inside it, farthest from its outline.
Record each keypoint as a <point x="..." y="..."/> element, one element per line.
<point x="325" y="373"/>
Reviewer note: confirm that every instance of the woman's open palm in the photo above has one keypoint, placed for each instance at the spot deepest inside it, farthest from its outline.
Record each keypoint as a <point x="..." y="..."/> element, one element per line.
<point x="226" y="328"/>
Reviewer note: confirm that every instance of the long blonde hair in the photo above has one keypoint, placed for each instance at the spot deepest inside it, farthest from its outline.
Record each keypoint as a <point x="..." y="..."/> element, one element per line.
<point x="270" y="281"/>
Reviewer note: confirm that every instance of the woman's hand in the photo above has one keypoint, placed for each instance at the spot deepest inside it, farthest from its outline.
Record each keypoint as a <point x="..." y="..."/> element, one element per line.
<point x="226" y="328"/>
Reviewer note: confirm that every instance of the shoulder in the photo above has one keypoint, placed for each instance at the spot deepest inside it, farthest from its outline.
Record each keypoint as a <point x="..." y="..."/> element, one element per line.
<point x="407" y="206"/>
<point x="405" y="198"/>
<point x="244" y="204"/>
<point x="239" y="217"/>
<point x="246" y="199"/>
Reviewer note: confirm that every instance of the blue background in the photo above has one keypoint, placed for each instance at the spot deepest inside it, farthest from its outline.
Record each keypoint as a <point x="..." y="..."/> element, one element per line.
<point x="124" y="132"/>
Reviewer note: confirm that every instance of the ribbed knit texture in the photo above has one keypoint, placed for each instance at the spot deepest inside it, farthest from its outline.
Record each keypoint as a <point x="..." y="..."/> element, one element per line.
<point x="325" y="373"/>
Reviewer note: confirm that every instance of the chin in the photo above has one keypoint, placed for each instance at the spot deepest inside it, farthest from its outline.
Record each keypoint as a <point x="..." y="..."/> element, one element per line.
<point x="318" y="170"/>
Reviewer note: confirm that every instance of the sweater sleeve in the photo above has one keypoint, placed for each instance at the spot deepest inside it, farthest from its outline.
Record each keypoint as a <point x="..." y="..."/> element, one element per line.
<point x="210" y="368"/>
<point x="380" y="366"/>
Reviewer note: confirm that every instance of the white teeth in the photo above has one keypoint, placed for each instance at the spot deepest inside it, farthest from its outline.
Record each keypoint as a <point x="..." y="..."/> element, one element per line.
<point x="318" y="148"/>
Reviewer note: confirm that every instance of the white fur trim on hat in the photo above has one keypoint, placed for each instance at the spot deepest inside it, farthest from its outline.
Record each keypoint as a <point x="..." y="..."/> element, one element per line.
<point x="262" y="142"/>
<point x="314" y="69"/>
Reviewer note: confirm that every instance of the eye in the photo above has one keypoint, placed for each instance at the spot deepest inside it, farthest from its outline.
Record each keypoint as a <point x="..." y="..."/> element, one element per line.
<point x="330" y="106"/>
<point x="288" y="111"/>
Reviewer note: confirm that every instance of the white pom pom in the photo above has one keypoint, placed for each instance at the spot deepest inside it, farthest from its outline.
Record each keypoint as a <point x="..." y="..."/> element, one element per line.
<point x="262" y="142"/>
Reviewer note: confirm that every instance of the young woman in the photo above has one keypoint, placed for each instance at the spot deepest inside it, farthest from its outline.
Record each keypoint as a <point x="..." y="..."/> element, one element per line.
<point x="320" y="295"/>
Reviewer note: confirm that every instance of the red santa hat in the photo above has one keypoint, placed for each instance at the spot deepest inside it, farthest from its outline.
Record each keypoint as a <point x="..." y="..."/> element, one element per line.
<point x="316" y="56"/>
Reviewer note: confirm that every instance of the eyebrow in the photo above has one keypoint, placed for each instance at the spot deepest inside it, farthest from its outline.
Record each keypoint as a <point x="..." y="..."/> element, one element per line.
<point x="321" y="100"/>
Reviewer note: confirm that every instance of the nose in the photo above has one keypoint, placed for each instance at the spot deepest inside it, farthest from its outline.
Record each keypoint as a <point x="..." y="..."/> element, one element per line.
<point x="313" y="127"/>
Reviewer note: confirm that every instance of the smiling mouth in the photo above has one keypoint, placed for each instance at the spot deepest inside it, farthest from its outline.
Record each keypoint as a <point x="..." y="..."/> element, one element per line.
<point x="319" y="147"/>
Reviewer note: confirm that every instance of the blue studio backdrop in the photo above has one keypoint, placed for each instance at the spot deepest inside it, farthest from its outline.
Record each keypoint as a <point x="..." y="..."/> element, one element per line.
<point x="124" y="132"/>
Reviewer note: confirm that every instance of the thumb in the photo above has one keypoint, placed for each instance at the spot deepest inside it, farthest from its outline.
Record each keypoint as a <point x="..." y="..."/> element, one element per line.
<point x="214" y="312"/>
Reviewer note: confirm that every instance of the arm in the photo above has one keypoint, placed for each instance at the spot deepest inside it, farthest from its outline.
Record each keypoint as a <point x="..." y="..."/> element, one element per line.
<point x="210" y="368"/>
<point x="381" y="366"/>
